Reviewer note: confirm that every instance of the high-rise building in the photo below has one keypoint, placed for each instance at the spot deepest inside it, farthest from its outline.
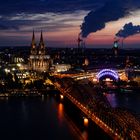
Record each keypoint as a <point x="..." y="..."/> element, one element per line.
<point x="38" y="59"/>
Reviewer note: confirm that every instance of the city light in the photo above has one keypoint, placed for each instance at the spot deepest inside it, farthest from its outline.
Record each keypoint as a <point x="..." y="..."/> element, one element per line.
<point x="18" y="64"/>
<point x="7" y="70"/>
<point x="70" y="69"/>
<point x="108" y="72"/>
<point x="95" y="80"/>
<point x="61" y="96"/>
<point x="13" y="69"/>
<point x="108" y="80"/>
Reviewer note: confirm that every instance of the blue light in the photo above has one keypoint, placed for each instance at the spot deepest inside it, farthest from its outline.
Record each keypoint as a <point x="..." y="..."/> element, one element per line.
<point x="108" y="72"/>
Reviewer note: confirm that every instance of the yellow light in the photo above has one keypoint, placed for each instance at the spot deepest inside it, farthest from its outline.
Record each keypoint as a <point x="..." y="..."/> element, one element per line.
<point x="108" y="80"/>
<point x="19" y="65"/>
<point x="13" y="69"/>
<point x="7" y="70"/>
<point x="61" y="96"/>
<point x="85" y="121"/>
<point x="95" y="80"/>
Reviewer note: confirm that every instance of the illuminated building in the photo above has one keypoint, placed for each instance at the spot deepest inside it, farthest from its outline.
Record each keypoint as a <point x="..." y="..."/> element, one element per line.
<point x="18" y="60"/>
<point x="108" y="73"/>
<point x="61" y="67"/>
<point x="38" y="59"/>
<point x="115" y="47"/>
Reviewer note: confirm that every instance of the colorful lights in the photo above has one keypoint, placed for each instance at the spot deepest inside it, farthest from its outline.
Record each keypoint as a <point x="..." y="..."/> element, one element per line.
<point x="108" y="72"/>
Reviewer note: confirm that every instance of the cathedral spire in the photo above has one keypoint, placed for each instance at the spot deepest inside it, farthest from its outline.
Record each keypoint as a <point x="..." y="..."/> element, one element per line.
<point x="41" y="48"/>
<point x="41" y="40"/>
<point x="33" y="44"/>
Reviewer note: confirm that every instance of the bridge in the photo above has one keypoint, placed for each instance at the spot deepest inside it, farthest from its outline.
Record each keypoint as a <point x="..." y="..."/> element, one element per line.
<point x="119" y="123"/>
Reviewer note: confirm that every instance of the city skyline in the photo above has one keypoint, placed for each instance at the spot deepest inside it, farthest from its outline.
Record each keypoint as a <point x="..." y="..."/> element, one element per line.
<point x="60" y="22"/>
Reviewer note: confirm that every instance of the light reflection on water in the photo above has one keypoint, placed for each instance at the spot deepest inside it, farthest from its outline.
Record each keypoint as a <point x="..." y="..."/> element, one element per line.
<point x="112" y="99"/>
<point x="42" y="118"/>
<point x="37" y="118"/>
<point x="127" y="100"/>
<point x="60" y="113"/>
<point x="85" y="135"/>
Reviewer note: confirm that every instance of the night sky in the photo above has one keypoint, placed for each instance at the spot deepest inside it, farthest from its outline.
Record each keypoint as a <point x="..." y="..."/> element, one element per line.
<point x="98" y="21"/>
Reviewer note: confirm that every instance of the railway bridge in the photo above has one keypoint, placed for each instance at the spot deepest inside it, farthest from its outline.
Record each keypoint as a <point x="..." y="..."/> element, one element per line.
<point x="119" y="123"/>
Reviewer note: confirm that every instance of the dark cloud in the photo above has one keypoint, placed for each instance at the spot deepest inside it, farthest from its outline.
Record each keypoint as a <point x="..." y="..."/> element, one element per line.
<point x="6" y="24"/>
<point x="50" y="21"/>
<point x="128" y="30"/>
<point x="102" y="11"/>
<point x="41" y="6"/>
<point x="12" y="10"/>
<point x="111" y="11"/>
<point x="8" y="27"/>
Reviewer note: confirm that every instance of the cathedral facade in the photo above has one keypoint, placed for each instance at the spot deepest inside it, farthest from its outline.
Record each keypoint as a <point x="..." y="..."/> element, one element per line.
<point x="38" y="59"/>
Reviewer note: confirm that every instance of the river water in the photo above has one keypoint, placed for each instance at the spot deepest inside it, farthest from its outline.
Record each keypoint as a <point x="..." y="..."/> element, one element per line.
<point x="49" y="118"/>
<point x="43" y="119"/>
<point x="129" y="100"/>
<point x="34" y="119"/>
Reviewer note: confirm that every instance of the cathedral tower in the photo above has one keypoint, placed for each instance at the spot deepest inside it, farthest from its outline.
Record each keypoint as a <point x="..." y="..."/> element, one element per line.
<point x="41" y="48"/>
<point x="39" y="61"/>
<point x="33" y="45"/>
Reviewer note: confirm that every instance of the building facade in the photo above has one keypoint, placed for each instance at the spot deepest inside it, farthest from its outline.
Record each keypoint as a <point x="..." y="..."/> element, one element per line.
<point x="38" y="59"/>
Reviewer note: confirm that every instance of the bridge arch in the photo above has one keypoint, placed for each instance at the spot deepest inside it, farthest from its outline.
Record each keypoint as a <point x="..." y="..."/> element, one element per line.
<point x="107" y="73"/>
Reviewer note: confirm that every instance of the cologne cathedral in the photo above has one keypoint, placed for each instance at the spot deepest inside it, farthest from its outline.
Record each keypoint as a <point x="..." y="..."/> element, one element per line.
<point x="38" y="59"/>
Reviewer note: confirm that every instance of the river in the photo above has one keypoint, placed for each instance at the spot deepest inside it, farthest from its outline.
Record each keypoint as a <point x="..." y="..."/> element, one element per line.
<point x="43" y="118"/>
<point x="129" y="100"/>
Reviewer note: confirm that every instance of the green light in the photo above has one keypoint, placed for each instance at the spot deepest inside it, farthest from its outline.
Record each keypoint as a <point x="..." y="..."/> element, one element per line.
<point x="115" y="45"/>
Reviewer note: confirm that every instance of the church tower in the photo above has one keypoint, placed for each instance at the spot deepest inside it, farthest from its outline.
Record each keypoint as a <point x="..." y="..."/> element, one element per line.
<point x="41" y="48"/>
<point x="41" y="51"/>
<point x="33" y="45"/>
<point x="39" y="61"/>
<point x="33" y="52"/>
